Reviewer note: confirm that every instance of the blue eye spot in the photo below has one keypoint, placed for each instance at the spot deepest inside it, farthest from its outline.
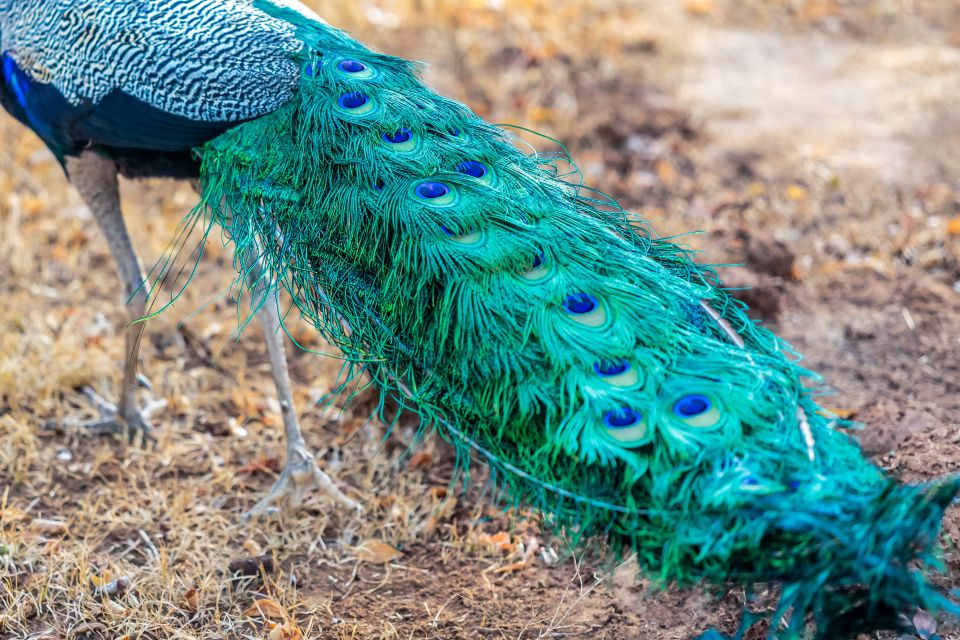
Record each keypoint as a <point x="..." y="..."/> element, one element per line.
<point x="750" y="481"/>
<point x="453" y="131"/>
<point x="308" y="69"/>
<point x="379" y="184"/>
<point x="692" y="405"/>
<point x="538" y="260"/>
<point x="431" y="190"/>
<point x="607" y="368"/>
<point x="351" y="66"/>
<point x="471" y="168"/>
<point x="353" y="100"/>
<point x="580" y="303"/>
<point x="622" y="418"/>
<point x="398" y="137"/>
<point x="794" y="485"/>
<point x="447" y="231"/>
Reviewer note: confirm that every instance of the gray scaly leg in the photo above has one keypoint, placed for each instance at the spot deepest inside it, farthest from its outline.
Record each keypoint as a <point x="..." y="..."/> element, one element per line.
<point x="95" y="178"/>
<point x="300" y="473"/>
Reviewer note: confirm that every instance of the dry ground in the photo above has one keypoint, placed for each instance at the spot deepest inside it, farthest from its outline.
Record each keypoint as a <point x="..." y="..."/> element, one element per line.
<point x="816" y="141"/>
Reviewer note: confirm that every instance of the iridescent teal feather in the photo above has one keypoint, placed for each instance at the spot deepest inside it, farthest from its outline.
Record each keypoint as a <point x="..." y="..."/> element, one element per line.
<point x="607" y="379"/>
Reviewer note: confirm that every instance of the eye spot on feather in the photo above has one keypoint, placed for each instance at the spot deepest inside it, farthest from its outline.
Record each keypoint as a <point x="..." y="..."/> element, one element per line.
<point x="626" y="426"/>
<point x="469" y="238"/>
<point x="355" y="69"/>
<point x="402" y="140"/>
<point x="378" y="184"/>
<point x="356" y="103"/>
<point x="580" y="303"/>
<point x="607" y="368"/>
<point x="398" y="137"/>
<point x="697" y="410"/>
<point x="459" y="137"/>
<point x="353" y="100"/>
<point x="351" y="66"/>
<point x="692" y="405"/>
<point x="435" y="194"/>
<point x="585" y="309"/>
<point x="618" y="373"/>
<point x="539" y="269"/>
<point x="476" y="170"/>
<point x="431" y="190"/>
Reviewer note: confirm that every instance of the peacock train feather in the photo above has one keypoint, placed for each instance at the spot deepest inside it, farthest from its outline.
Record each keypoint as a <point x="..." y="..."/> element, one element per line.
<point x="608" y="380"/>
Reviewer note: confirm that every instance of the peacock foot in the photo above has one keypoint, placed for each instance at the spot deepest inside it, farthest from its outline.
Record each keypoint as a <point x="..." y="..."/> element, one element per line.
<point x="128" y="418"/>
<point x="299" y="477"/>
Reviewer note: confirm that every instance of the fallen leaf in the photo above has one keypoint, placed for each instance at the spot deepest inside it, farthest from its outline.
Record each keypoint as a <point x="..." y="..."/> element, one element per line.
<point x="376" y="552"/>
<point x="191" y="600"/>
<point x="266" y="607"/>
<point x="264" y="463"/>
<point x="52" y="527"/>
<point x="285" y="631"/>
<point x="420" y="460"/>
<point x="501" y="541"/>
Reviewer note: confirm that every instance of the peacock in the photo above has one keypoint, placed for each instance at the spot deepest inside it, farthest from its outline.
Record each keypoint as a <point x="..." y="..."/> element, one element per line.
<point x="609" y="381"/>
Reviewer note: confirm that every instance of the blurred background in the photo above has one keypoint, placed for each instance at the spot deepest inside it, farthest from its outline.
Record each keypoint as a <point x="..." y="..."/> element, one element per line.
<point x="814" y="142"/>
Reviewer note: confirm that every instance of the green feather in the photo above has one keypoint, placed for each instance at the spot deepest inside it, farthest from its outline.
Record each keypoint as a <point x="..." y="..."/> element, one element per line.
<point x="503" y="310"/>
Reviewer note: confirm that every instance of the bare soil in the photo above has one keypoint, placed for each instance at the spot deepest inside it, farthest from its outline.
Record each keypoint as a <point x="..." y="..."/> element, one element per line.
<point x="815" y="142"/>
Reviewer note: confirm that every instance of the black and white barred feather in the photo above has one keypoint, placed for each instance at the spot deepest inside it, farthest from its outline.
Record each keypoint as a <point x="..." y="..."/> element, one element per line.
<point x="205" y="60"/>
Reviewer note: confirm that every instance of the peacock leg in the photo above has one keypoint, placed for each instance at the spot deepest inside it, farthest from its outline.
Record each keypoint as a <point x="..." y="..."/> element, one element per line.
<point x="95" y="178"/>
<point x="300" y="473"/>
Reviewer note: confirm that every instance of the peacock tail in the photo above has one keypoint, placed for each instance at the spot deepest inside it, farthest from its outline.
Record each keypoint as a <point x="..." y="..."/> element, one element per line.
<point x="608" y="380"/>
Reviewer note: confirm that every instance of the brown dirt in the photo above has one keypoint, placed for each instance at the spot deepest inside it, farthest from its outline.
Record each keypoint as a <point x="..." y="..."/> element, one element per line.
<point x="816" y="142"/>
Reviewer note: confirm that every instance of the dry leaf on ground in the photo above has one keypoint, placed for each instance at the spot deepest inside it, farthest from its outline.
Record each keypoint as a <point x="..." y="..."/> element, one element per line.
<point x="376" y="552"/>
<point x="47" y="526"/>
<point x="266" y="607"/>
<point x="285" y="631"/>
<point x="191" y="601"/>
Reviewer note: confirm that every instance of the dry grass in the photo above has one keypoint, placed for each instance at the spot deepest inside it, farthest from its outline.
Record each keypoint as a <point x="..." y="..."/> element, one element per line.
<point x="78" y="513"/>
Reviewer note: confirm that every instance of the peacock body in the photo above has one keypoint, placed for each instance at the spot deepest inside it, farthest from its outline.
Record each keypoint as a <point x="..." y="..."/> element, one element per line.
<point x="607" y="379"/>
